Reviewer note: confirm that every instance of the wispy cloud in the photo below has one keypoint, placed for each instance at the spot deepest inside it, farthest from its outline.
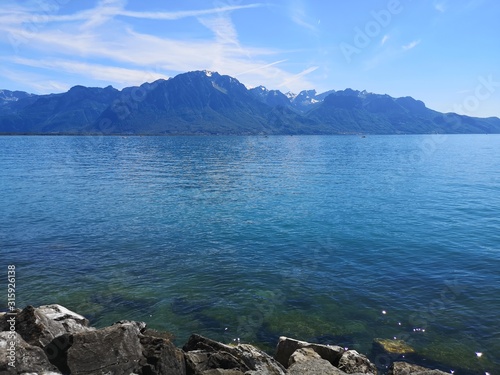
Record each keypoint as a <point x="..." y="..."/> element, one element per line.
<point x="222" y="27"/>
<point x="440" y="6"/>
<point x="105" y="9"/>
<point x="261" y="67"/>
<point x="297" y="76"/>
<point x="385" y="38"/>
<point x="411" y="45"/>
<point x="37" y="82"/>
<point x="169" y="16"/>
<point x="300" y="17"/>
<point x="112" y="51"/>
<point x="104" y="73"/>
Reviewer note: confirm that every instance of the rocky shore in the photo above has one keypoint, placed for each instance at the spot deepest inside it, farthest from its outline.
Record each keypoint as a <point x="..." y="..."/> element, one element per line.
<point x="53" y="340"/>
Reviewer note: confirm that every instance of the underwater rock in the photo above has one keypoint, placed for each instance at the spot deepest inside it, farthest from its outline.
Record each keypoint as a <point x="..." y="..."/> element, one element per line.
<point x="393" y="346"/>
<point x="404" y="368"/>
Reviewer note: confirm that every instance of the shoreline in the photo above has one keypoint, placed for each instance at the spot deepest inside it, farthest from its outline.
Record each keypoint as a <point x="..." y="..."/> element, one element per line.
<point x="52" y="339"/>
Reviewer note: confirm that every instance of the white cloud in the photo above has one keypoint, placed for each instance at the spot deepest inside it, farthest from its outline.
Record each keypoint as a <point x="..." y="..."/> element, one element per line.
<point x="222" y="27"/>
<point x="38" y="84"/>
<point x="297" y="76"/>
<point x="105" y="9"/>
<point x="261" y="67"/>
<point x="440" y="6"/>
<point x="384" y="39"/>
<point x="411" y="45"/>
<point x="299" y="16"/>
<point x="184" y="14"/>
<point x="94" y="44"/>
<point x="119" y="77"/>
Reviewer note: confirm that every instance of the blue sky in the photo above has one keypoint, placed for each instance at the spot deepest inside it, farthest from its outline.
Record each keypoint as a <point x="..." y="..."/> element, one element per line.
<point x="444" y="52"/>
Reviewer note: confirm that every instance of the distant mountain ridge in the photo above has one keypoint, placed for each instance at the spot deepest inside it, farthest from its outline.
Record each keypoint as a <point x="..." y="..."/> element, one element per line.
<point x="203" y="102"/>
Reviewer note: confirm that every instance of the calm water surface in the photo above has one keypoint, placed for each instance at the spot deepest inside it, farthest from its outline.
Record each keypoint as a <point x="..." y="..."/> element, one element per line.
<point x="334" y="239"/>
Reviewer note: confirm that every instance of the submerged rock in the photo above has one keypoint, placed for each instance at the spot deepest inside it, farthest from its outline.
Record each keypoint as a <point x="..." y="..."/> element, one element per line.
<point x="393" y="346"/>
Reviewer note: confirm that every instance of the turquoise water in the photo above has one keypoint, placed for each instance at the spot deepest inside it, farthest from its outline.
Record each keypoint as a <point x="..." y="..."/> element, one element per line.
<point x="334" y="239"/>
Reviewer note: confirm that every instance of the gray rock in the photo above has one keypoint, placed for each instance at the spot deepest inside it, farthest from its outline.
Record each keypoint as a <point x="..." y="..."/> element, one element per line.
<point x="39" y="326"/>
<point x="203" y="361"/>
<point x="314" y="366"/>
<point x="28" y="358"/>
<point x="111" y="350"/>
<point x="219" y="371"/>
<point x="203" y="354"/>
<point x="196" y="361"/>
<point x="161" y="357"/>
<point x="303" y="355"/>
<point x="352" y="362"/>
<point x="259" y="362"/>
<point x="404" y="368"/>
<point x="287" y="346"/>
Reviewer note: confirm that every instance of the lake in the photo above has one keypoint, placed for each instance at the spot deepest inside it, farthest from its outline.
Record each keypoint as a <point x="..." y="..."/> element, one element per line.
<point x="332" y="239"/>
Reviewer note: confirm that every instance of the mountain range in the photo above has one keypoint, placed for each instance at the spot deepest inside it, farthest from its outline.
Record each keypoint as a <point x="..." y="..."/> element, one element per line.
<point x="203" y="102"/>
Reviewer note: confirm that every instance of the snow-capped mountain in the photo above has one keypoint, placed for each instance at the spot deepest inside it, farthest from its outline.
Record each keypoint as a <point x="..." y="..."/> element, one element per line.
<point x="205" y="102"/>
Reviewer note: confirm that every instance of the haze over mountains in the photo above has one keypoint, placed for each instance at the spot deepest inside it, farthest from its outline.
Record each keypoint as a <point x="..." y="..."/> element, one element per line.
<point x="203" y="102"/>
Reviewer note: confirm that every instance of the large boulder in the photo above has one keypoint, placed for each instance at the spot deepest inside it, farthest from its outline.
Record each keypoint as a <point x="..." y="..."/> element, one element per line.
<point x="28" y="358"/>
<point x="303" y="355"/>
<point x="203" y="356"/>
<point x="39" y="326"/>
<point x="352" y="362"/>
<point x="114" y="350"/>
<point x="404" y="368"/>
<point x="287" y="346"/>
<point x="161" y="356"/>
